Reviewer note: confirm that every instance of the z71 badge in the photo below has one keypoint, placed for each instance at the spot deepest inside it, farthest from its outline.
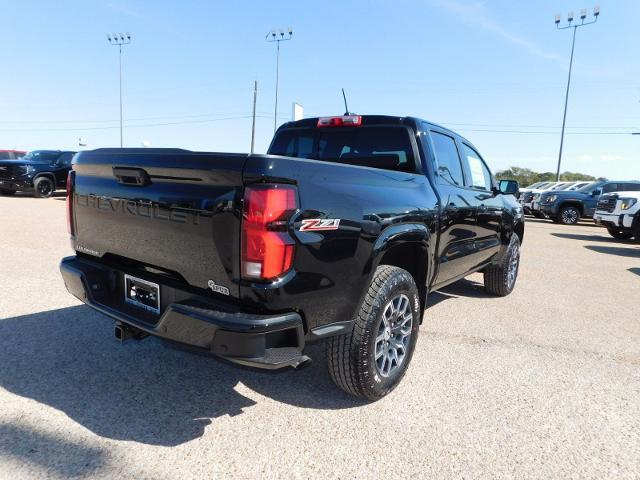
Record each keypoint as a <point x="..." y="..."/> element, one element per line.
<point x="318" y="224"/>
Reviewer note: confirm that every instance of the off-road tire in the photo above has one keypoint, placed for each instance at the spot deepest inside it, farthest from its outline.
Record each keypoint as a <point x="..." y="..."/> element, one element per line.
<point x="569" y="215"/>
<point x="43" y="187"/>
<point x="619" y="234"/>
<point x="351" y="357"/>
<point x="497" y="279"/>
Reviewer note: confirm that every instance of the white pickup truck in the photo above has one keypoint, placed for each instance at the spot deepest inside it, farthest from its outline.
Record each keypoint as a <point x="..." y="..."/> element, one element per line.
<point x="620" y="213"/>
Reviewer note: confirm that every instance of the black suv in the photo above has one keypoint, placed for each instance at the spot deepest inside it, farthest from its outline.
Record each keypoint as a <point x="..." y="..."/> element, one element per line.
<point x="568" y="206"/>
<point x="40" y="171"/>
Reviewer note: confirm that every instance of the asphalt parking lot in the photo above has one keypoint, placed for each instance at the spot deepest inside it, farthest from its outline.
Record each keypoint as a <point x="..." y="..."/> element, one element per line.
<point x="544" y="383"/>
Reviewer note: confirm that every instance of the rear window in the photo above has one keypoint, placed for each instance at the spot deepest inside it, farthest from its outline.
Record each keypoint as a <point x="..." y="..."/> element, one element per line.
<point x="388" y="148"/>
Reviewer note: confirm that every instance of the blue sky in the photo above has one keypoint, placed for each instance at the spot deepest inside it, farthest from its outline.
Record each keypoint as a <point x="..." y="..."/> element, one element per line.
<point x="486" y="69"/>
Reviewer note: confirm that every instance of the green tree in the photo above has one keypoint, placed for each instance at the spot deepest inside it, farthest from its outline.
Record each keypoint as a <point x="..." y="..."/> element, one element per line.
<point x="526" y="176"/>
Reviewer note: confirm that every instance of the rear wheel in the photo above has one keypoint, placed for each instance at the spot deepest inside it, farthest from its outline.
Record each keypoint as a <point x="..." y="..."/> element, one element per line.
<point x="370" y="361"/>
<point x="7" y="193"/>
<point x="501" y="278"/>
<point x="619" y="234"/>
<point x="569" y="215"/>
<point x="44" y="187"/>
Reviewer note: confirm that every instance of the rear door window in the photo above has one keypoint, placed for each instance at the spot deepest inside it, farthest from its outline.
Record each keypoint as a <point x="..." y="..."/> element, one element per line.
<point x="65" y="158"/>
<point x="447" y="158"/>
<point x="632" y="187"/>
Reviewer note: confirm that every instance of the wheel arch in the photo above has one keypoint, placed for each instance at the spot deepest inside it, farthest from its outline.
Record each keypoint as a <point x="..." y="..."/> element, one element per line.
<point x="572" y="203"/>
<point x="518" y="229"/>
<point x="405" y="246"/>
<point x="50" y="175"/>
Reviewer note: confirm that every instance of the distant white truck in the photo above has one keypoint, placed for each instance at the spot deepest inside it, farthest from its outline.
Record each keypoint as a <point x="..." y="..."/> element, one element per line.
<point x="620" y="213"/>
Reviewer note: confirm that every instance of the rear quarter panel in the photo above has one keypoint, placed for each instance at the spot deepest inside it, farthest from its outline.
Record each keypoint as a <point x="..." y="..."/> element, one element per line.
<point x="332" y="269"/>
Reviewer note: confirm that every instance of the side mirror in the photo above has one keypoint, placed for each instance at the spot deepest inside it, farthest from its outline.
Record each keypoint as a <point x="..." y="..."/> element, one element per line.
<point x="508" y="187"/>
<point x="596" y="193"/>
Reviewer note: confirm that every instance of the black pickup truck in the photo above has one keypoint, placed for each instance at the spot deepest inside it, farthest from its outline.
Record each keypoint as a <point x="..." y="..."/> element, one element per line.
<point x="338" y="234"/>
<point x="40" y="171"/>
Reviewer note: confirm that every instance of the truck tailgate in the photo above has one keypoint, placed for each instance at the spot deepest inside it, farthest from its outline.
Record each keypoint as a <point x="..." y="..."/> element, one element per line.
<point x="175" y="210"/>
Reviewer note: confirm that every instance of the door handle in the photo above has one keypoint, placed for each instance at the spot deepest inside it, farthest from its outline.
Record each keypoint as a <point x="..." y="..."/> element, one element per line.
<point x="131" y="176"/>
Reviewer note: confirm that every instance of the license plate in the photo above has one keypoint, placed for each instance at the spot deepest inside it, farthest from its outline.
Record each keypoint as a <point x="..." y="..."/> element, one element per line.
<point x="142" y="293"/>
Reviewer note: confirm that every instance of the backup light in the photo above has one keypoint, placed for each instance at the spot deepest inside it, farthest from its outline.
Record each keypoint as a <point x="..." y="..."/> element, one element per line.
<point x="342" y="121"/>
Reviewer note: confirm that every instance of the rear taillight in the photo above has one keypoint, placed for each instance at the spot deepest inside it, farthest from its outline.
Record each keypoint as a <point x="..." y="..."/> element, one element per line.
<point x="267" y="248"/>
<point x="343" y="121"/>
<point x="71" y="179"/>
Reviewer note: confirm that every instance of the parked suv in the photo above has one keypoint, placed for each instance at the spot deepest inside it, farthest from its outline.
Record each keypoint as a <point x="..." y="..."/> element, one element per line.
<point x="40" y="171"/>
<point x="620" y="213"/>
<point x="568" y="207"/>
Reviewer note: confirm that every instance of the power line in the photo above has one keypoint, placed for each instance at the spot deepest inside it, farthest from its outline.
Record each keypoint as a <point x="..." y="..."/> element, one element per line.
<point x="161" y="117"/>
<point x="132" y="126"/>
<point x="541" y="133"/>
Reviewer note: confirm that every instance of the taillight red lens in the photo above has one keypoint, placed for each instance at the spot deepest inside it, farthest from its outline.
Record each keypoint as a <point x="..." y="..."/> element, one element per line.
<point x="267" y="248"/>
<point x="71" y="178"/>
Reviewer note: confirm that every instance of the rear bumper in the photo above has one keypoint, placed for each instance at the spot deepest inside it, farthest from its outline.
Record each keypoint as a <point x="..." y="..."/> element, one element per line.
<point x="263" y="341"/>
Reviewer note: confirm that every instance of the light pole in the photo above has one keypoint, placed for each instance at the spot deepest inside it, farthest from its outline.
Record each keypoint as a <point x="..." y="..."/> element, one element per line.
<point x="277" y="37"/>
<point x="120" y="39"/>
<point x="583" y="16"/>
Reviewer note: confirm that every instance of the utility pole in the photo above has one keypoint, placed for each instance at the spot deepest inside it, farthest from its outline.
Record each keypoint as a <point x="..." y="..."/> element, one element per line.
<point x="253" y="122"/>
<point x="277" y="37"/>
<point x="583" y="16"/>
<point x="120" y="39"/>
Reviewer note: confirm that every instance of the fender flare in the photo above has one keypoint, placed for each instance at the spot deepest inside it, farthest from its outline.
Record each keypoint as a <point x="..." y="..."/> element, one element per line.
<point x="50" y="175"/>
<point x="415" y="235"/>
<point x="505" y="239"/>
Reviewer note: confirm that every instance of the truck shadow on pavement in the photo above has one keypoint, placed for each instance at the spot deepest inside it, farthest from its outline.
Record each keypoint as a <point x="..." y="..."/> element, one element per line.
<point x="592" y="238"/>
<point x="67" y="458"/>
<point x="143" y="392"/>
<point x="461" y="288"/>
<point x="619" y="251"/>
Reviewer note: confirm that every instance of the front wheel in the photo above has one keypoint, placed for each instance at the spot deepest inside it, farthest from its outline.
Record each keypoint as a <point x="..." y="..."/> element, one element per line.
<point x="619" y="234"/>
<point x="371" y="360"/>
<point x="569" y="215"/>
<point x="501" y="278"/>
<point x="44" y="187"/>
